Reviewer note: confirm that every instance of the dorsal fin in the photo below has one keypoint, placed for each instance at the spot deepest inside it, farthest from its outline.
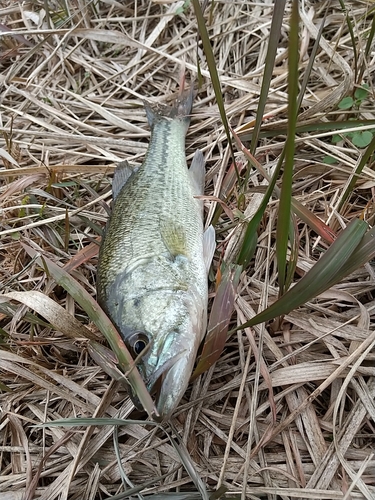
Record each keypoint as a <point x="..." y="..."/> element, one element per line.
<point x="122" y="174"/>
<point x="197" y="173"/>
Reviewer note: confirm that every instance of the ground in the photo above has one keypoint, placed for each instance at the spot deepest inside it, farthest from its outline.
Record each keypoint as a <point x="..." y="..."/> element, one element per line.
<point x="288" y="409"/>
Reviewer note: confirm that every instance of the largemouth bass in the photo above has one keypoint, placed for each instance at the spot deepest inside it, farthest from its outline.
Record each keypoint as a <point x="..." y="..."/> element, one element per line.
<point x="154" y="257"/>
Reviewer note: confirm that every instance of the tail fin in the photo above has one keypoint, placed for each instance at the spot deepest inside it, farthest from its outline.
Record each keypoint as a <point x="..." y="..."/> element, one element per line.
<point x="180" y="110"/>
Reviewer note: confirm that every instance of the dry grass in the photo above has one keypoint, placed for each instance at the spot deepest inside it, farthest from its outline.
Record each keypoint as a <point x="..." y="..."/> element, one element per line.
<point x="73" y="80"/>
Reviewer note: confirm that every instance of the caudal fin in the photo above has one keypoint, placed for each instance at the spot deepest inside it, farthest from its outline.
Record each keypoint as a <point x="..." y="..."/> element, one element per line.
<point x="181" y="109"/>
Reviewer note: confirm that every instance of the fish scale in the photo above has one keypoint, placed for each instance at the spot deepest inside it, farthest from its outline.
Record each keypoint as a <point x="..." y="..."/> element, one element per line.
<point x="162" y="189"/>
<point x="152" y="272"/>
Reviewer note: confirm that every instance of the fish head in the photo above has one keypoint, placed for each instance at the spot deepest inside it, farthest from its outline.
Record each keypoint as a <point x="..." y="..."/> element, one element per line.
<point x="166" y="350"/>
<point x="174" y="362"/>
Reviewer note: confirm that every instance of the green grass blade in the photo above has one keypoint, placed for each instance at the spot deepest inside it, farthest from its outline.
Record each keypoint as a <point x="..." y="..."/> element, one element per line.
<point x="211" y="63"/>
<point x="368" y="48"/>
<point x="364" y="252"/>
<point x="247" y="248"/>
<point x="370" y="38"/>
<point x="311" y="62"/>
<point x="273" y="43"/>
<point x="324" y="274"/>
<point x="249" y="242"/>
<point x="97" y="315"/>
<point x="352" y="38"/>
<point x="284" y="228"/>
<point x="333" y="128"/>
<point x="105" y="358"/>
<point x="294" y="249"/>
<point x="300" y="210"/>
<point x="365" y="158"/>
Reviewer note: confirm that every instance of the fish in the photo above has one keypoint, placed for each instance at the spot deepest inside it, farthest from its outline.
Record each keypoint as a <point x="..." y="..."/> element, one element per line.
<point x="152" y="274"/>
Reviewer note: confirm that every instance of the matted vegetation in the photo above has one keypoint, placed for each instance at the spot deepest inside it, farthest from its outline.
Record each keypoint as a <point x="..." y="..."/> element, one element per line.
<point x="288" y="409"/>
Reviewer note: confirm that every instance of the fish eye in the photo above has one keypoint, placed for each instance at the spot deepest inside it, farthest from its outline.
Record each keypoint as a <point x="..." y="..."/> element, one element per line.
<point x="138" y="346"/>
<point x="138" y="342"/>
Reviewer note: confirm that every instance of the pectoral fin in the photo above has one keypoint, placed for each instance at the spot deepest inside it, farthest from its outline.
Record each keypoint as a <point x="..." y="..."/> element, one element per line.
<point x="209" y="245"/>
<point x="121" y="176"/>
<point x="174" y="238"/>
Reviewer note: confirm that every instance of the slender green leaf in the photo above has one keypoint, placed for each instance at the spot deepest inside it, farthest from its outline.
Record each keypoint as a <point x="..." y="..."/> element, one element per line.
<point x="106" y="359"/>
<point x="324" y="274"/>
<point x="98" y="316"/>
<point x="370" y="38"/>
<point x="368" y="48"/>
<point x="311" y="62"/>
<point x="332" y="127"/>
<point x="273" y="43"/>
<point x="246" y="252"/>
<point x="211" y="63"/>
<point x="294" y="250"/>
<point x="352" y="37"/>
<point x="365" y="158"/>
<point x="247" y="248"/>
<point x="284" y="228"/>
<point x="364" y="252"/>
<point x="300" y="210"/>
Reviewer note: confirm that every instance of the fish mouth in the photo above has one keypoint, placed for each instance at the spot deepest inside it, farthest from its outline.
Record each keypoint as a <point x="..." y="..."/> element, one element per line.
<point x="169" y="383"/>
<point x="161" y="371"/>
<point x="160" y="384"/>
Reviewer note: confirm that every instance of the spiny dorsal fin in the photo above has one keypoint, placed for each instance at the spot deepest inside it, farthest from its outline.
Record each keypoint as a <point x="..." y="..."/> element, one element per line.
<point x="122" y="174"/>
<point x="197" y="173"/>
